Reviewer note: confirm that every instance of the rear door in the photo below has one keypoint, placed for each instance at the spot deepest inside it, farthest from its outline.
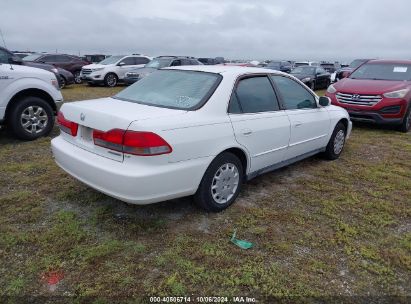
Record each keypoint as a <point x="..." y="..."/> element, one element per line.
<point x="259" y="124"/>
<point x="309" y="122"/>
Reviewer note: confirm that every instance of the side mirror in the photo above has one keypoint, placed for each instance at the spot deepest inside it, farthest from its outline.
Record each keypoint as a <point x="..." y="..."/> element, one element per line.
<point x="121" y="63"/>
<point x="15" y="60"/>
<point x="324" y="101"/>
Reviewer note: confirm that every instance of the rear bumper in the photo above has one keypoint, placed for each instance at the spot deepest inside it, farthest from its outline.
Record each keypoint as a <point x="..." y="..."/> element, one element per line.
<point x="135" y="183"/>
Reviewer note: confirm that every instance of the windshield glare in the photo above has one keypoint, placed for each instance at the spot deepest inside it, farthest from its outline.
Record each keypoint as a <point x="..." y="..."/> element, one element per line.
<point x="32" y="57"/>
<point x="158" y="63"/>
<point x="111" y="60"/>
<point x="173" y="89"/>
<point x="383" y="71"/>
<point x="303" y="70"/>
<point x="356" y="63"/>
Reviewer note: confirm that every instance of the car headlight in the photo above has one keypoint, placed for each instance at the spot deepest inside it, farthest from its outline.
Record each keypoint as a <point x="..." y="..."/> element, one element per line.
<point x="397" y="94"/>
<point x="331" y="89"/>
<point x="55" y="71"/>
<point x="97" y="69"/>
<point x="306" y="79"/>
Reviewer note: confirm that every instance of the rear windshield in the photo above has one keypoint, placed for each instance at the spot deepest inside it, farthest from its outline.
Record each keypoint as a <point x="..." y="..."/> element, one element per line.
<point x="175" y="89"/>
<point x="32" y="57"/>
<point x="383" y="71"/>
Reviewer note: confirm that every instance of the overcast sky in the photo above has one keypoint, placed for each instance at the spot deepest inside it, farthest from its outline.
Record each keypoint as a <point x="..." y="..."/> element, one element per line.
<point x="250" y="29"/>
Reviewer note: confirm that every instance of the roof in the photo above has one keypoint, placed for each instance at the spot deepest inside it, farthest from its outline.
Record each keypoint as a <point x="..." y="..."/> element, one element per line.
<point x="223" y="69"/>
<point x="390" y="61"/>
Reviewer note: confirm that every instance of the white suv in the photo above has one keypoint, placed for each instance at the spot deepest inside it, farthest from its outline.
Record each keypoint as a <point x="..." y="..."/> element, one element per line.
<point x="29" y="99"/>
<point x="112" y="69"/>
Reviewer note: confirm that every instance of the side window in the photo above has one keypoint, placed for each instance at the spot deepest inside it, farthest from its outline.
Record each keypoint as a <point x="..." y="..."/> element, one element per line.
<point x="256" y="95"/>
<point x="176" y="63"/>
<point x="234" y="106"/>
<point x="4" y="57"/>
<point x="142" y="60"/>
<point x="62" y="58"/>
<point x="128" y="61"/>
<point x="321" y="71"/>
<point x="185" y="62"/>
<point x="294" y="95"/>
<point x="48" y="58"/>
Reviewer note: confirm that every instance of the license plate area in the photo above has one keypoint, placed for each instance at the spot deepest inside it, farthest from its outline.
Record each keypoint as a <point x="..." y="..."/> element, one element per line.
<point x="86" y="135"/>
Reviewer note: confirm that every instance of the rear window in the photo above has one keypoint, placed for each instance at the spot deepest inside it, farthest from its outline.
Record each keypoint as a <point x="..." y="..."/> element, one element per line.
<point x="175" y="89"/>
<point x="383" y="71"/>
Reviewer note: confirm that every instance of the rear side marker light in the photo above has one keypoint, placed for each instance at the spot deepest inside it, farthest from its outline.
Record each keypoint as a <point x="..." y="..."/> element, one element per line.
<point x="132" y="142"/>
<point x="66" y="125"/>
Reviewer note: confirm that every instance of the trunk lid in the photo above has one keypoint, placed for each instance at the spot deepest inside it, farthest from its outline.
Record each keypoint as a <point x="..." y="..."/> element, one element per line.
<point x="106" y="114"/>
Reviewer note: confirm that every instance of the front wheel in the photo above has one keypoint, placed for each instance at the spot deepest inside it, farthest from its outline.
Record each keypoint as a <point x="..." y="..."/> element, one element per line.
<point x="30" y="118"/>
<point x="77" y="77"/>
<point x="405" y="126"/>
<point x="62" y="82"/>
<point x="221" y="183"/>
<point x="337" y="141"/>
<point x="110" y="80"/>
<point x="312" y="85"/>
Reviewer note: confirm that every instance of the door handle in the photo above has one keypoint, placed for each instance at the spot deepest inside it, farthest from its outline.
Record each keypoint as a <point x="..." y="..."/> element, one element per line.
<point x="247" y="132"/>
<point x="298" y="124"/>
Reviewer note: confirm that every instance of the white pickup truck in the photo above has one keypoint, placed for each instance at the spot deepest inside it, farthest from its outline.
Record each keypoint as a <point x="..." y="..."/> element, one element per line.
<point x="29" y="100"/>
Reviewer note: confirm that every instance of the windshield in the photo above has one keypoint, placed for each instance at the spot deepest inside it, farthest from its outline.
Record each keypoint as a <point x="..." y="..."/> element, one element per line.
<point x="383" y="71"/>
<point x="274" y="64"/>
<point x="174" y="89"/>
<point x="32" y="57"/>
<point x="356" y="63"/>
<point x="303" y="70"/>
<point x="111" y="60"/>
<point x="158" y="63"/>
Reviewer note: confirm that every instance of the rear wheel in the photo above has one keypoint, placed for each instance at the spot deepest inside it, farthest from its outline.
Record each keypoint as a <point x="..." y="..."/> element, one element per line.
<point x="110" y="80"/>
<point x="405" y="126"/>
<point x="221" y="183"/>
<point x="30" y="118"/>
<point x="337" y="141"/>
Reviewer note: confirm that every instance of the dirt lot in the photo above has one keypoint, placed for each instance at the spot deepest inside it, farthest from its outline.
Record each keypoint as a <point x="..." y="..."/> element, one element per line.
<point x="319" y="228"/>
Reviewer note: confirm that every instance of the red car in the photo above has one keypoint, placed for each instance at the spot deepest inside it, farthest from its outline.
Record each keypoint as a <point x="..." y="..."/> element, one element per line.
<point x="378" y="91"/>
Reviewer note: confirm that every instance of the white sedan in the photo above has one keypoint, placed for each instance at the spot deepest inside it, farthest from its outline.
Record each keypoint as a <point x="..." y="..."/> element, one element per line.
<point x="196" y="130"/>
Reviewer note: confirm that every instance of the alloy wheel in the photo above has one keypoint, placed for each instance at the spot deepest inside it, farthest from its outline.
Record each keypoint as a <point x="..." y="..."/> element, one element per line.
<point x="34" y="119"/>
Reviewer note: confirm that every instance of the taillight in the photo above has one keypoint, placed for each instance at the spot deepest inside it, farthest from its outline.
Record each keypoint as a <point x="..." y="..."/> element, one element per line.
<point x="67" y="126"/>
<point x="132" y="142"/>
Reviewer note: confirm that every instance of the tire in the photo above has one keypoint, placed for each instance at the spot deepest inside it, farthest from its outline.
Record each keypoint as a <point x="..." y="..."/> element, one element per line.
<point x="77" y="78"/>
<point x="30" y="118"/>
<point x="226" y="166"/>
<point x="337" y="141"/>
<point x="63" y="82"/>
<point x="405" y="126"/>
<point x="312" y="85"/>
<point x="110" y="80"/>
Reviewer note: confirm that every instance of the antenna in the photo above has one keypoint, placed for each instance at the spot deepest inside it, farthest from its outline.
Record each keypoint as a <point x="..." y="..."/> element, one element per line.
<point x="4" y="42"/>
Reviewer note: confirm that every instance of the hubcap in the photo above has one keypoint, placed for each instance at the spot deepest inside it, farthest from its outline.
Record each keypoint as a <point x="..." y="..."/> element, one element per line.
<point x="111" y="80"/>
<point x="77" y="78"/>
<point x="34" y="119"/>
<point x="225" y="183"/>
<point x="339" y="141"/>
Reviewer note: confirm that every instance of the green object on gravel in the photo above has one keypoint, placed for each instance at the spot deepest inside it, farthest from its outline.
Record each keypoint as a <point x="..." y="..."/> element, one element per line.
<point x="240" y="243"/>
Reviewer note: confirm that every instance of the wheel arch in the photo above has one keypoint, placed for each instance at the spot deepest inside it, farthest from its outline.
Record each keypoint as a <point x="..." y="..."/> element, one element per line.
<point x="30" y="92"/>
<point x="242" y="156"/>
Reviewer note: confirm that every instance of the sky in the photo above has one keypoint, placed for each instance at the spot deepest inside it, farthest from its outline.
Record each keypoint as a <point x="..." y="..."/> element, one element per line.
<point x="331" y="30"/>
